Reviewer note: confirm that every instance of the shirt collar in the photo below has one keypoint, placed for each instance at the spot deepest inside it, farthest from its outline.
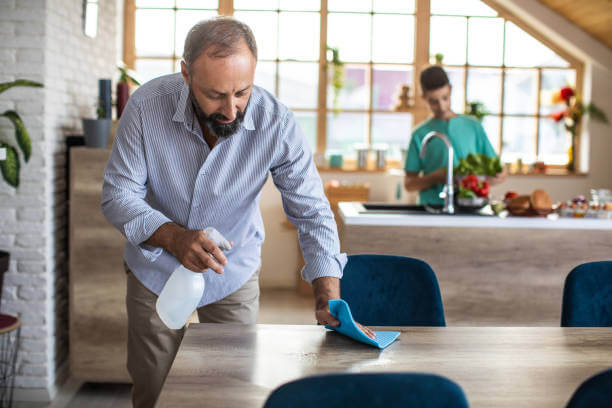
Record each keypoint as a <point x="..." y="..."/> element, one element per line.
<point x="184" y="111"/>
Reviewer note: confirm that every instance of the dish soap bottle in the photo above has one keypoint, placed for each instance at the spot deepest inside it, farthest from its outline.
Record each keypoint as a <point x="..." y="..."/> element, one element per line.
<point x="184" y="289"/>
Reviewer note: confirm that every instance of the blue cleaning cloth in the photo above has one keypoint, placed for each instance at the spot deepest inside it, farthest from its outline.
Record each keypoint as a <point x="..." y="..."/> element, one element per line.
<point x="341" y="311"/>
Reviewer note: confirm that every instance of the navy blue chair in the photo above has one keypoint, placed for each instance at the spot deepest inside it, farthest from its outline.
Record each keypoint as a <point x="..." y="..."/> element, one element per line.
<point x="371" y="390"/>
<point x="595" y="392"/>
<point x="587" y="296"/>
<point x="386" y="290"/>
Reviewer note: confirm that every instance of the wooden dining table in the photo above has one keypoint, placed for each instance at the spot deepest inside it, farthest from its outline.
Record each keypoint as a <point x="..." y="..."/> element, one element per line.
<point x="231" y="365"/>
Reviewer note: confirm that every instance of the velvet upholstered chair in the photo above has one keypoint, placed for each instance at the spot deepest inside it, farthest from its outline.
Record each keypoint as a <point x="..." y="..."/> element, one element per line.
<point x="371" y="390"/>
<point x="587" y="296"/>
<point x="386" y="290"/>
<point x="595" y="392"/>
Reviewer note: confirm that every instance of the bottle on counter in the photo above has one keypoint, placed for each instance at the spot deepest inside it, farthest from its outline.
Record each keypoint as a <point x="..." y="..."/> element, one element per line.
<point x="180" y="297"/>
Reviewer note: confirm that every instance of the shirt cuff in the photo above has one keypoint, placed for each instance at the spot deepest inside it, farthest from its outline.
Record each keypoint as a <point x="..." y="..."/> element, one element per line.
<point x="141" y="228"/>
<point x="322" y="266"/>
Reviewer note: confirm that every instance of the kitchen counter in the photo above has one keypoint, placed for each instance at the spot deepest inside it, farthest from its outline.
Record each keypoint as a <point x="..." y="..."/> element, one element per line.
<point x="492" y="271"/>
<point x="354" y="213"/>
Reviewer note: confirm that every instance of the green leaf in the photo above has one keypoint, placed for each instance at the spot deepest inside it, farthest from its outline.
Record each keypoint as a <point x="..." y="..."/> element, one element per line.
<point x="596" y="113"/>
<point x="21" y="133"/>
<point x="10" y="166"/>
<point x="19" y="82"/>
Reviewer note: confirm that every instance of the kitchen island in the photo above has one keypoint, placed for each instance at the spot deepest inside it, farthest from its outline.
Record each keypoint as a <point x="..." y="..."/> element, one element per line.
<point x="492" y="271"/>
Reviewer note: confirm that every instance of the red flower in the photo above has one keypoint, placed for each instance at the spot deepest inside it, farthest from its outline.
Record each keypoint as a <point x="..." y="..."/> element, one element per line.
<point x="557" y="116"/>
<point x="566" y="93"/>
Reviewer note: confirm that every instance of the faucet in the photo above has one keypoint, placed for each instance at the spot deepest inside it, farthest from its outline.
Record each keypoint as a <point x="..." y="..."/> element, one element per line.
<point x="449" y="190"/>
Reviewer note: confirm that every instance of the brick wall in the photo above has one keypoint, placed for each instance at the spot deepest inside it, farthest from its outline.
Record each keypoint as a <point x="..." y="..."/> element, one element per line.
<point x="43" y="41"/>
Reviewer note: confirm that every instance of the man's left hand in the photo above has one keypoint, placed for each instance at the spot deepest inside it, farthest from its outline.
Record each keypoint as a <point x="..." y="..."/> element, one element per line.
<point x="327" y="288"/>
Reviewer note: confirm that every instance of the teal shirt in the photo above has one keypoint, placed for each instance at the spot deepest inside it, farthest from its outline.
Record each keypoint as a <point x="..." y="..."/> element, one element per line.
<point x="465" y="134"/>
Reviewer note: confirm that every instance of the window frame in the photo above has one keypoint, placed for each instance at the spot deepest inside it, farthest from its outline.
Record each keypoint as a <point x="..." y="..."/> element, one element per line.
<point x="421" y="58"/>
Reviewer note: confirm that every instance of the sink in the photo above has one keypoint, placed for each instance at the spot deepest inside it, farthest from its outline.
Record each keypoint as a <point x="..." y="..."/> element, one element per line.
<point x="384" y="208"/>
<point x="381" y="208"/>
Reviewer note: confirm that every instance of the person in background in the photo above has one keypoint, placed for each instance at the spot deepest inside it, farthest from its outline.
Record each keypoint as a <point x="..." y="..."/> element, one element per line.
<point x="428" y="175"/>
<point x="193" y="150"/>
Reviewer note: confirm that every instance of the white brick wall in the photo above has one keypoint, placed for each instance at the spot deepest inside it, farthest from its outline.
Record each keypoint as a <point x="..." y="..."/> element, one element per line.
<point x="42" y="40"/>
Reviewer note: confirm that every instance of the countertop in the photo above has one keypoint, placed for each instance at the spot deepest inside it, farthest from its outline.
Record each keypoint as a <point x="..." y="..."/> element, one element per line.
<point x="352" y="214"/>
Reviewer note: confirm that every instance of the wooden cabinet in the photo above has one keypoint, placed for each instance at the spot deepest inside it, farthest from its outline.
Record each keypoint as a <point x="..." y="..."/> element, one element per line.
<point x="98" y="318"/>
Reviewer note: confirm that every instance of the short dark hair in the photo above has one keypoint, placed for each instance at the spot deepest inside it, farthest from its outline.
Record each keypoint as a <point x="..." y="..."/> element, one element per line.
<point x="433" y="78"/>
<point x="219" y="36"/>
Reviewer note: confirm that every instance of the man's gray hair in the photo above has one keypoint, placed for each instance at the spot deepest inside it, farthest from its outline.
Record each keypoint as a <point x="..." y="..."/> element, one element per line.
<point x="220" y="37"/>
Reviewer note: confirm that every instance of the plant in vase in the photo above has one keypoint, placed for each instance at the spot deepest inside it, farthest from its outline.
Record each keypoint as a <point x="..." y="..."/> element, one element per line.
<point x="337" y="74"/>
<point x="572" y="116"/>
<point x="96" y="131"/>
<point x="476" y="109"/>
<point x="123" y="89"/>
<point x="9" y="157"/>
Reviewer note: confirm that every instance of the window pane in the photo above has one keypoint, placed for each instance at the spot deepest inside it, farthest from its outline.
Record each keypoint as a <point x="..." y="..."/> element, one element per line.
<point x="387" y="27"/>
<point x="344" y="130"/>
<point x="484" y="85"/>
<point x="350" y="33"/>
<point x="394" y="6"/>
<point x="155" y="3"/>
<point x="300" y="36"/>
<point x="302" y="5"/>
<point x="198" y="4"/>
<point x="486" y="39"/>
<point x="185" y="20"/>
<point x="456" y="78"/>
<point x="355" y="92"/>
<point x="149" y="69"/>
<point x="308" y="123"/>
<point x="349" y="5"/>
<point x="519" y="139"/>
<point x="447" y="37"/>
<point x="264" y="26"/>
<point x="256" y="5"/>
<point x="265" y="76"/>
<point x="520" y="91"/>
<point x="490" y="123"/>
<point x="387" y="81"/>
<point x="552" y="81"/>
<point x="463" y="7"/>
<point x="154" y="33"/>
<point x="393" y="129"/>
<point x="554" y="142"/>
<point x="297" y="86"/>
<point x="522" y="50"/>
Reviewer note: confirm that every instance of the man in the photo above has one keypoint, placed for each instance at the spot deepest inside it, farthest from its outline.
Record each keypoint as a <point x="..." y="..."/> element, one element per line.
<point x="193" y="150"/>
<point x="466" y="135"/>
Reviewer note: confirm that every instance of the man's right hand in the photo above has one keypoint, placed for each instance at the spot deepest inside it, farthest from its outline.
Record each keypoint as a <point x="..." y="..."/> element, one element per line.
<point x="193" y="248"/>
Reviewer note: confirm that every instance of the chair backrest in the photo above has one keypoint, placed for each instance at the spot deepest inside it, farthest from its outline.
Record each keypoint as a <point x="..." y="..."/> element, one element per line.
<point x="371" y="390"/>
<point x="587" y="296"/>
<point x="386" y="290"/>
<point x="595" y="392"/>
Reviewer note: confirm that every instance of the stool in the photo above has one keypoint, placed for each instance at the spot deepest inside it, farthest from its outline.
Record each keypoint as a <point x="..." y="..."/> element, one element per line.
<point x="10" y="328"/>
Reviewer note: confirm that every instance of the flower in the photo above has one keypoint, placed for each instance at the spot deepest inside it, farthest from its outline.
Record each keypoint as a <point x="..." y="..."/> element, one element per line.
<point x="566" y="93"/>
<point x="557" y="116"/>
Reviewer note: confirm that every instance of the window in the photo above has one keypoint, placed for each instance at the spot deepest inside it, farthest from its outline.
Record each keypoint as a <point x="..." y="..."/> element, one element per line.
<point x="160" y="28"/>
<point x="489" y="59"/>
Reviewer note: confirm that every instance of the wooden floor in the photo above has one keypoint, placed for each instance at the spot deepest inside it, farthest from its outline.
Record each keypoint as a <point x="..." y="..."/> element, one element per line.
<point x="275" y="306"/>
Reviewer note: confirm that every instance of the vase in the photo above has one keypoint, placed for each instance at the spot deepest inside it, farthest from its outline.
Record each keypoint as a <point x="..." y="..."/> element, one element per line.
<point x="96" y="132"/>
<point x="571" y="152"/>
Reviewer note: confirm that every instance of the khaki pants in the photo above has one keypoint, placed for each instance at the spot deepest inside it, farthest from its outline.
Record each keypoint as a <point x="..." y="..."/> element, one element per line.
<point x="152" y="346"/>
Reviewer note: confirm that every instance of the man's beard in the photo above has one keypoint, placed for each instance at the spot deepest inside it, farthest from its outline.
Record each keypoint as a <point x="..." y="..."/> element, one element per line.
<point x="211" y="121"/>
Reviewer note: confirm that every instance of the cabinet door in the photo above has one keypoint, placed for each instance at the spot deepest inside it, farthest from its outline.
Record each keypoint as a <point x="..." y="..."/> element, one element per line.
<point x="98" y="319"/>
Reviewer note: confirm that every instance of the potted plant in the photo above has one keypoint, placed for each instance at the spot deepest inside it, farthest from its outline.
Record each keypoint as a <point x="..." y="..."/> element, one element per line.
<point x="96" y="131"/>
<point x="123" y="89"/>
<point x="9" y="157"/>
<point x="337" y="74"/>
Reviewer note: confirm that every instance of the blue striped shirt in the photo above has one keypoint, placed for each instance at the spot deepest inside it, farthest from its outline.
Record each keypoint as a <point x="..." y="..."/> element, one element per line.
<point x="162" y="170"/>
